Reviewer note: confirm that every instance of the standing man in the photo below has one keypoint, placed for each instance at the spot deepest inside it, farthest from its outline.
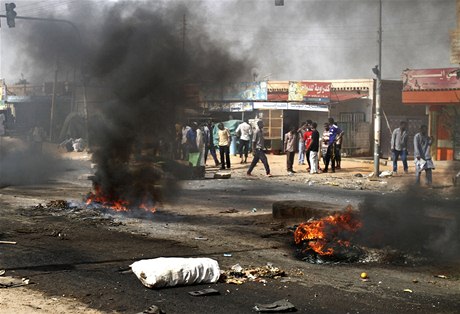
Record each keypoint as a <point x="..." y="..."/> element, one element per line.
<point x="307" y="139"/>
<point x="245" y="132"/>
<point x="423" y="161"/>
<point x="325" y="142"/>
<point x="300" y="133"/>
<point x="314" y="148"/>
<point x="290" y="141"/>
<point x="334" y="133"/>
<point x="184" y="144"/>
<point x="258" y="146"/>
<point x="399" y="139"/>
<point x="224" y="145"/>
<point x="338" y="149"/>
<point x="2" y="124"/>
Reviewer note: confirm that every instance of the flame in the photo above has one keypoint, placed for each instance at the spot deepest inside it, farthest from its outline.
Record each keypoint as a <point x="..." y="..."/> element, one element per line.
<point x="116" y="204"/>
<point x="327" y="234"/>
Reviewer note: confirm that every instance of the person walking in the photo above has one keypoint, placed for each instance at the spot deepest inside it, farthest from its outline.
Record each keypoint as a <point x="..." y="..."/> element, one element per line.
<point x="300" y="133"/>
<point x="209" y="143"/>
<point x="314" y="148"/>
<point x="399" y="139"/>
<point x="423" y="161"/>
<point x="290" y="141"/>
<point x="258" y="146"/>
<point x="224" y="145"/>
<point x="245" y="132"/>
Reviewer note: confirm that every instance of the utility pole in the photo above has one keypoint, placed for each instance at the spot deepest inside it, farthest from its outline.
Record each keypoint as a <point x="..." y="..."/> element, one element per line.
<point x="377" y="118"/>
<point x="53" y="99"/>
<point x="184" y="32"/>
<point x="12" y="16"/>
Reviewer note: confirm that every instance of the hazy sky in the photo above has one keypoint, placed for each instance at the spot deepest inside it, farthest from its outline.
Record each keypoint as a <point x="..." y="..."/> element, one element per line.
<point x="302" y="40"/>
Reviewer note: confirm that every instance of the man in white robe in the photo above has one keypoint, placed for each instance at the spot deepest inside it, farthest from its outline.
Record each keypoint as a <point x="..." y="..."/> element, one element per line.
<point x="422" y="155"/>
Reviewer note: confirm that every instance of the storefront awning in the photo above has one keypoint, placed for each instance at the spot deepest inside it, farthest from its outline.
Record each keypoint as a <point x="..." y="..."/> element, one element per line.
<point x="431" y="97"/>
<point x="341" y="96"/>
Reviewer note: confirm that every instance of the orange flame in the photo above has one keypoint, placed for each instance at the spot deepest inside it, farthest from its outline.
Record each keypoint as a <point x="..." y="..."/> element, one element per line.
<point x="119" y="205"/>
<point x="326" y="234"/>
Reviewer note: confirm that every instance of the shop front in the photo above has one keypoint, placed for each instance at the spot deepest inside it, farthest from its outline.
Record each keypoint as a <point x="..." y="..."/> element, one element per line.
<point x="439" y="91"/>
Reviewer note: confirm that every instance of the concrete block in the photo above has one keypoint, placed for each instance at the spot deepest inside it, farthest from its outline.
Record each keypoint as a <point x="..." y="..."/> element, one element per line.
<point x="303" y="209"/>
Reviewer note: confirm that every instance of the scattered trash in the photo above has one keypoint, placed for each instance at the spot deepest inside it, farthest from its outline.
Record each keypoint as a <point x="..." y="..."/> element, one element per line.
<point x="254" y="210"/>
<point x="237" y="268"/>
<point x="408" y="290"/>
<point x="8" y="242"/>
<point x="152" y="310"/>
<point x="10" y="282"/>
<point x="385" y="174"/>
<point x="234" y="281"/>
<point x="2" y="272"/>
<point x="229" y="211"/>
<point x="441" y="276"/>
<point x="173" y="271"/>
<point x="222" y="175"/>
<point x="199" y="293"/>
<point x="358" y="175"/>
<point x="239" y="275"/>
<point x="227" y="255"/>
<point x="201" y="238"/>
<point x="278" y="306"/>
<point x="71" y="145"/>
<point x="415" y="280"/>
<point x="364" y="275"/>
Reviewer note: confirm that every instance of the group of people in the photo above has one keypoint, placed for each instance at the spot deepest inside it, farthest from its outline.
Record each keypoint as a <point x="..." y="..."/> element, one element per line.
<point x="422" y="154"/>
<point x="199" y="140"/>
<point x="312" y="146"/>
<point x="307" y="141"/>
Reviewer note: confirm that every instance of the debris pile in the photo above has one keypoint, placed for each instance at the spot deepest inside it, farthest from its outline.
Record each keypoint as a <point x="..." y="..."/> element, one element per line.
<point x="55" y="205"/>
<point x="239" y="275"/>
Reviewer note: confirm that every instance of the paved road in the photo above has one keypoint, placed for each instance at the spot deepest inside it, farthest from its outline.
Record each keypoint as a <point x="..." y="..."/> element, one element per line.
<point x="85" y="262"/>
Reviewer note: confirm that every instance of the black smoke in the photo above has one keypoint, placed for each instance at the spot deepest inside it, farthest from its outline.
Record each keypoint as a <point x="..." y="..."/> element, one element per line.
<point x="420" y="222"/>
<point x="142" y="55"/>
<point x="146" y="64"/>
<point x="23" y="163"/>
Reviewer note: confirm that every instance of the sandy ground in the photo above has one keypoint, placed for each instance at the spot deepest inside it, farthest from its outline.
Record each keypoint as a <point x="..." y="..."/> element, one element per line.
<point x="353" y="177"/>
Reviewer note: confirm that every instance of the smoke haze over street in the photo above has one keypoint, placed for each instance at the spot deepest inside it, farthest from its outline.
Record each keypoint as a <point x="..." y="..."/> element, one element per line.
<point x="298" y="41"/>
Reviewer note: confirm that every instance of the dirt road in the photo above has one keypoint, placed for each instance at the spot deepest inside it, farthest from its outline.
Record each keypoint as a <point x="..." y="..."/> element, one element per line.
<point x="77" y="258"/>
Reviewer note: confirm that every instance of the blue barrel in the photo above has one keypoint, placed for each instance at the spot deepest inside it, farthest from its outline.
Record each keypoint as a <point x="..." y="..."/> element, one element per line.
<point x="234" y="146"/>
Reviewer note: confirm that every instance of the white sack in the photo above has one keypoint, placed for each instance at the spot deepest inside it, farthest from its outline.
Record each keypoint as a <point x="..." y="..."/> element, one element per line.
<point x="172" y="271"/>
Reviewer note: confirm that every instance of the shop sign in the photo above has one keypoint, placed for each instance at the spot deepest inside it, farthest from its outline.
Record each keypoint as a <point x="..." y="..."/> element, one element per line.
<point x="307" y="107"/>
<point x="312" y="92"/>
<point x="278" y="90"/>
<point x="242" y="91"/>
<point x="430" y="79"/>
<point x="230" y="107"/>
<point x="270" y="105"/>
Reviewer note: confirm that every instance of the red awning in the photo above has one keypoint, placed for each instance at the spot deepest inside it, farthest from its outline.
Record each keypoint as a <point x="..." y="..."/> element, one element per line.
<point x="431" y="97"/>
<point x="341" y="96"/>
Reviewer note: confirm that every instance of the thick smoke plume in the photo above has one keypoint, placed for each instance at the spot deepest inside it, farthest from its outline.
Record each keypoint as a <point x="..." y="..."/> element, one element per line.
<point x="22" y="163"/>
<point x="142" y="57"/>
<point x="414" y="222"/>
<point x="144" y="62"/>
